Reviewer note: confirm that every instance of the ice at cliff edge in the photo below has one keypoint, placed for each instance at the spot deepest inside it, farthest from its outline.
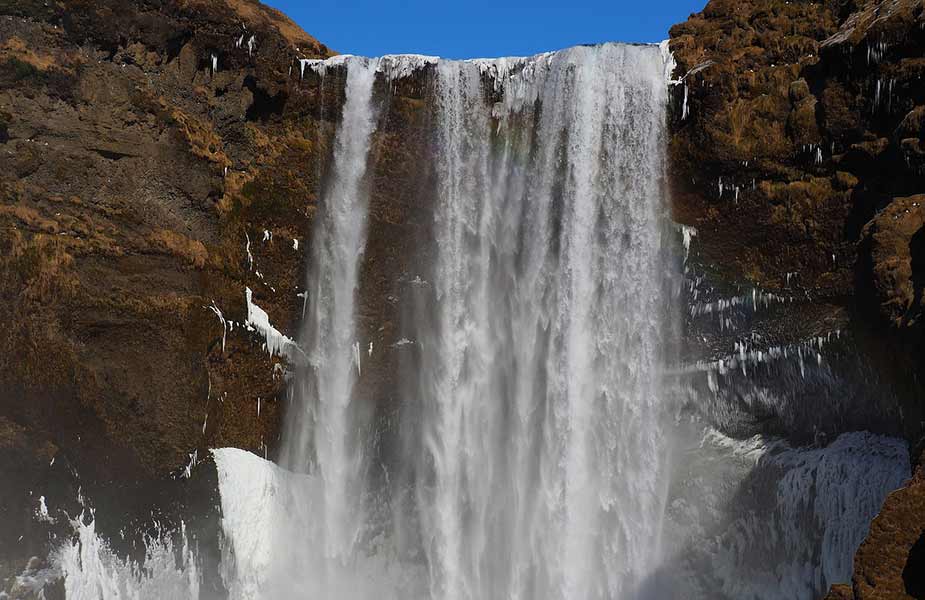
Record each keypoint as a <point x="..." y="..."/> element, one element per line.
<point x="536" y="423"/>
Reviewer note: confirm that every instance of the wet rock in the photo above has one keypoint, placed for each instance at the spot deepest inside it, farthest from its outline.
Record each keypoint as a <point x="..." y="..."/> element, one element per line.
<point x="894" y="260"/>
<point x="801" y="151"/>
<point x="889" y="562"/>
<point x="913" y="124"/>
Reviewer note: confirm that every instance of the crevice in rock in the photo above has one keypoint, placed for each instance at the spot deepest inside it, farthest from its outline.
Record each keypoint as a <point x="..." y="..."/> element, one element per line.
<point x="110" y="154"/>
<point x="264" y="105"/>
<point x="914" y="572"/>
<point x="175" y="44"/>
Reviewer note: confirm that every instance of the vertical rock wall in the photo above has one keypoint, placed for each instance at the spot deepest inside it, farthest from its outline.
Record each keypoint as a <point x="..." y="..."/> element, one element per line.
<point x="797" y="154"/>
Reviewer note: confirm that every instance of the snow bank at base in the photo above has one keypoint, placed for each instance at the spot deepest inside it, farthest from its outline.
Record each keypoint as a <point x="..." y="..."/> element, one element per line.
<point x="273" y="540"/>
<point x="258" y="500"/>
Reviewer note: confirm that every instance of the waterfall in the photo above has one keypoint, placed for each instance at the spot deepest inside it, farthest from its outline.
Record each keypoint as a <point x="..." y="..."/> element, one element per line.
<point x="541" y="439"/>
<point x="321" y="428"/>
<point x="540" y="450"/>
<point x="534" y="419"/>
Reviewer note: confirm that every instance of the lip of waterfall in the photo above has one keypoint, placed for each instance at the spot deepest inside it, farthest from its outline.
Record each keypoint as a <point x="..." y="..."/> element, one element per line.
<point x="498" y="70"/>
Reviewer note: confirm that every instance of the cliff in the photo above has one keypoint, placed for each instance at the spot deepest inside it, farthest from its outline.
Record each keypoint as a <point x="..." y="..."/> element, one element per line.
<point x="160" y="157"/>
<point x="147" y="178"/>
<point x="797" y="152"/>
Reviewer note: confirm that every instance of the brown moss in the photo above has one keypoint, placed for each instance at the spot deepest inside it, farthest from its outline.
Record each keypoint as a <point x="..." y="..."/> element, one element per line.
<point x="191" y="251"/>
<point x="201" y="137"/>
<point x="889" y="238"/>
<point x="840" y="112"/>
<point x="15" y="48"/>
<point x="801" y="123"/>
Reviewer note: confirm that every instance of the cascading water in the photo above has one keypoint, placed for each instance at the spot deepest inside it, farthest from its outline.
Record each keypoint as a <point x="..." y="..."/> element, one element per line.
<point x="322" y="480"/>
<point x="542" y="450"/>
<point x="535" y="421"/>
<point x="322" y="430"/>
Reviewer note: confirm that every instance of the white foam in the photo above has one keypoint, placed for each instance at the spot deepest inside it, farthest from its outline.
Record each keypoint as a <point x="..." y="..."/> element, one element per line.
<point x="91" y="570"/>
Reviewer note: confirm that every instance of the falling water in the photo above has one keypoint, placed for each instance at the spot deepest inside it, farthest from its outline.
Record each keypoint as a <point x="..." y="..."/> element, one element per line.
<point x="541" y="453"/>
<point x="322" y="432"/>
<point x="540" y="450"/>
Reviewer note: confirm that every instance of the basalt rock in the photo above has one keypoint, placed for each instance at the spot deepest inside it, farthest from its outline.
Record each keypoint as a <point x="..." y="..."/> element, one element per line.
<point x="797" y="152"/>
<point x="155" y="161"/>
<point x="796" y="124"/>
<point x="893" y="261"/>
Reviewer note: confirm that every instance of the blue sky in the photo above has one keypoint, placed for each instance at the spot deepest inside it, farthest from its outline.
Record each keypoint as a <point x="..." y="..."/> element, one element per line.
<point x="481" y="28"/>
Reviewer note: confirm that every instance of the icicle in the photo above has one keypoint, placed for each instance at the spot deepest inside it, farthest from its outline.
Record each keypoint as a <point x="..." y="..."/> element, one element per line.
<point x="221" y="318"/>
<point x="250" y="257"/>
<point x="304" y="297"/>
<point x="277" y="344"/>
<point x="42" y="512"/>
<point x="687" y="234"/>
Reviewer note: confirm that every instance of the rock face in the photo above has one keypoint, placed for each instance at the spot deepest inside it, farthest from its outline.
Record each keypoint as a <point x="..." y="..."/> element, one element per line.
<point x="147" y="177"/>
<point x="891" y="562"/>
<point x="798" y="124"/>
<point x="893" y="248"/>
<point x="158" y="158"/>
<point x="797" y="153"/>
